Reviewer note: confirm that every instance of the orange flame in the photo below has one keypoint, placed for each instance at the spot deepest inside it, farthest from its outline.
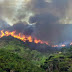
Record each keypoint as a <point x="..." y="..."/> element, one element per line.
<point x="71" y="43"/>
<point x="25" y="38"/>
<point x="63" y="45"/>
<point x="54" y="45"/>
<point x="21" y="37"/>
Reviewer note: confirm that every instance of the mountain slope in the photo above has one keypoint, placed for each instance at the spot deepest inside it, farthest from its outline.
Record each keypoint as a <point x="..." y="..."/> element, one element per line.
<point x="10" y="62"/>
<point x="60" y="62"/>
<point x="15" y="56"/>
<point x="19" y="56"/>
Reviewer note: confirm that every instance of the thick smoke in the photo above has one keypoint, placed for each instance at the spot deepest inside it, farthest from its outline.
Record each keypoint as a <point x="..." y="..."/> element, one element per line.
<point x="56" y="33"/>
<point x="3" y="25"/>
<point x="55" y="7"/>
<point x="43" y="18"/>
<point x="47" y="17"/>
<point x="21" y="27"/>
<point x="61" y="6"/>
<point x="14" y="11"/>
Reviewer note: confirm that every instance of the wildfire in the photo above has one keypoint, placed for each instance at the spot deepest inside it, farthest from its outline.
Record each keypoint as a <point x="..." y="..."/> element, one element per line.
<point x="54" y="45"/>
<point x="21" y="37"/>
<point x="63" y="45"/>
<point x="71" y="43"/>
<point x="25" y="38"/>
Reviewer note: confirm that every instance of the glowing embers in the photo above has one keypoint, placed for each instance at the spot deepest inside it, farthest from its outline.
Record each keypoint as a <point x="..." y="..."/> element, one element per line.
<point x="21" y="37"/>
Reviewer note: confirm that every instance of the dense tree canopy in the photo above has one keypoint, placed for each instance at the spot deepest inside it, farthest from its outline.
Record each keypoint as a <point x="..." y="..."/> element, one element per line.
<point x="17" y="56"/>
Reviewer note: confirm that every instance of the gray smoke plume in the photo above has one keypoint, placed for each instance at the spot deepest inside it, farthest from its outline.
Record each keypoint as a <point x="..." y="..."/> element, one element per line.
<point x="13" y="11"/>
<point x="45" y="19"/>
<point x="21" y="27"/>
<point x="3" y="25"/>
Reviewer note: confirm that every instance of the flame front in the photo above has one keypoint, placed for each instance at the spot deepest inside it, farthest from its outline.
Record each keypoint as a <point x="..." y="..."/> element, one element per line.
<point x="21" y="37"/>
<point x="25" y="38"/>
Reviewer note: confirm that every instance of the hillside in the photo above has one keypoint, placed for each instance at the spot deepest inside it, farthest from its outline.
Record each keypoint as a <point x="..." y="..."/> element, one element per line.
<point x="43" y="48"/>
<point x="61" y="62"/>
<point x="14" y="55"/>
<point x="11" y="62"/>
<point x="19" y="56"/>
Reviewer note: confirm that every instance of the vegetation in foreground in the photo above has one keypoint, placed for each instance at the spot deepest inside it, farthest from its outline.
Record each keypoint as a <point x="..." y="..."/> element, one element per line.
<point x="10" y="62"/>
<point x="61" y="62"/>
<point x="16" y="56"/>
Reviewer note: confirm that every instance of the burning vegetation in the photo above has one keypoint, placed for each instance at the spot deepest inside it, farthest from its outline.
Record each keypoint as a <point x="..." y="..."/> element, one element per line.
<point x="22" y="37"/>
<point x="28" y="38"/>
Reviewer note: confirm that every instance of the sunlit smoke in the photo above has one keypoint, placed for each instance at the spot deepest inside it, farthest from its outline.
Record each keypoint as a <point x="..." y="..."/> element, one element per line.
<point x="13" y="11"/>
<point x="16" y="10"/>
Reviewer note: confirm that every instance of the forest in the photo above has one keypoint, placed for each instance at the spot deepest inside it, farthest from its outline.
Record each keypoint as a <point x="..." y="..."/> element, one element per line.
<point x="19" y="56"/>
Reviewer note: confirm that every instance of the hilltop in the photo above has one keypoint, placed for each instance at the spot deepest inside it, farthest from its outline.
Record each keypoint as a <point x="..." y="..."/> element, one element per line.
<point x="19" y="56"/>
<point x="43" y="48"/>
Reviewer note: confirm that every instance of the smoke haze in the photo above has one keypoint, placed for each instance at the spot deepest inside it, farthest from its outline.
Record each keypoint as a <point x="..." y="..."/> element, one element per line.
<point x="48" y="20"/>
